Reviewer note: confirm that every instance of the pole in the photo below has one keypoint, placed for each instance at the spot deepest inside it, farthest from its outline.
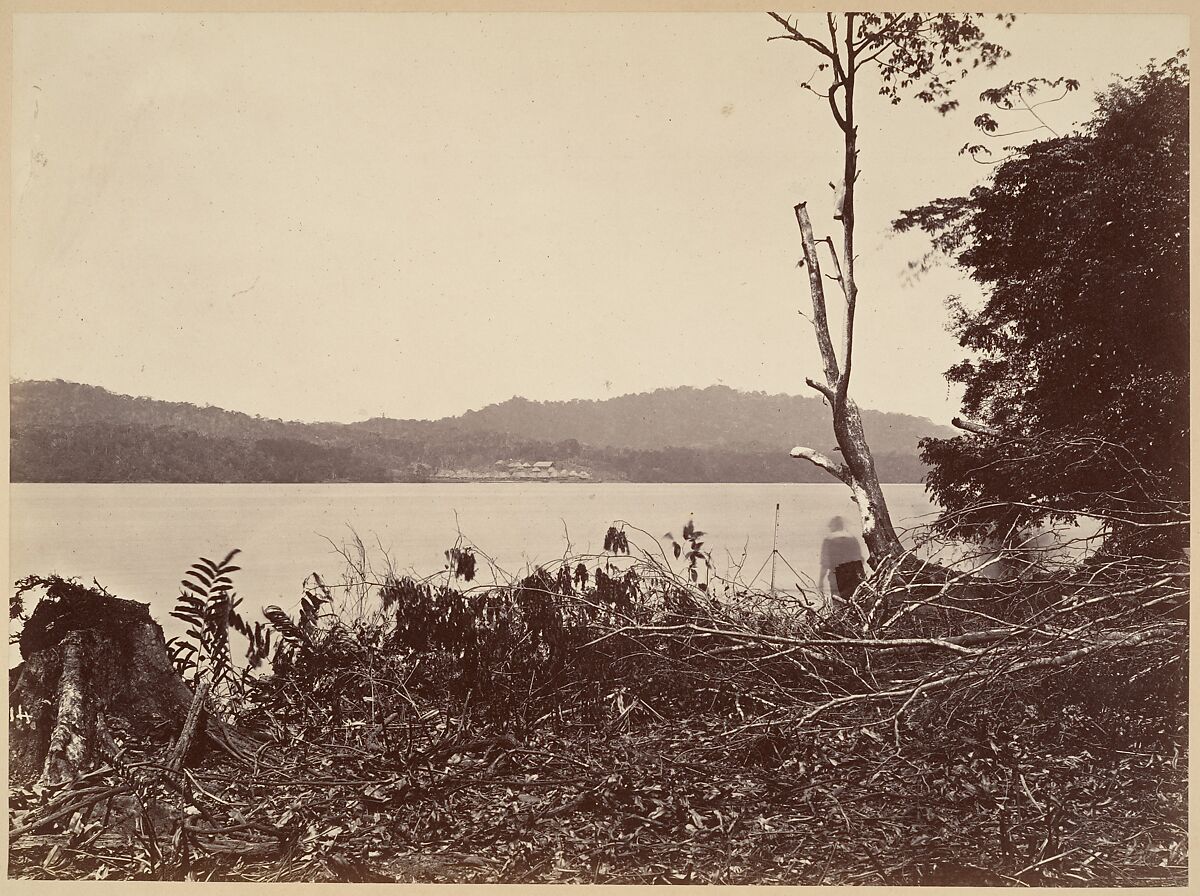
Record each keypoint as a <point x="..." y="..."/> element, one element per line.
<point x="774" y="548"/>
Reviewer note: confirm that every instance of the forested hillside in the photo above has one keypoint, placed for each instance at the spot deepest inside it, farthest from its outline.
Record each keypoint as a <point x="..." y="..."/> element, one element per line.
<point x="716" y="417"/>
<point x="70" y="432"/>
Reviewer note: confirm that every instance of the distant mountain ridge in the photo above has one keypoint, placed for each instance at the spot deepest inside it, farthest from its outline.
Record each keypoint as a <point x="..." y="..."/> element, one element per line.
<point x="714" y="417"/>
<point x="64" y="431"/>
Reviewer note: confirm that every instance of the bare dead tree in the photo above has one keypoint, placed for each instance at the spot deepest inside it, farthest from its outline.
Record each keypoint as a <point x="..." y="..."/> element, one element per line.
<point x="926" y="52"/>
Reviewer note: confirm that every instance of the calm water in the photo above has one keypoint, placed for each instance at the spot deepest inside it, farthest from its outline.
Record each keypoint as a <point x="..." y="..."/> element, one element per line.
<point x="137" y="540"/>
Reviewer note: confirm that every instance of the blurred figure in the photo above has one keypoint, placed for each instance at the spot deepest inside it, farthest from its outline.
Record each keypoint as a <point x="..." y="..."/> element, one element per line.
<point x="841" y="561"/>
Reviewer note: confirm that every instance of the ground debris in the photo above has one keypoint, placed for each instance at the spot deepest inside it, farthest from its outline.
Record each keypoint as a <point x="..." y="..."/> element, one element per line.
<point x="862" y="813"/>
<point x="644" y="732"/>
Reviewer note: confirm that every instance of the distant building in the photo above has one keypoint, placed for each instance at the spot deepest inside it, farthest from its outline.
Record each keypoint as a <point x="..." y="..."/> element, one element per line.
<point x="542" y="470"/>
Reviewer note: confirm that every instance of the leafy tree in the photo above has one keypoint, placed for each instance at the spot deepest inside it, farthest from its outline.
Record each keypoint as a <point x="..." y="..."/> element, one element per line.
<point x="1077" y="384"/>
<point x="919" y="54"/>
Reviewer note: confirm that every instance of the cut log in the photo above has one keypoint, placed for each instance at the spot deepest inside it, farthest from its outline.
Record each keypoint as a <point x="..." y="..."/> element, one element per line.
<point x="95" y="672"/>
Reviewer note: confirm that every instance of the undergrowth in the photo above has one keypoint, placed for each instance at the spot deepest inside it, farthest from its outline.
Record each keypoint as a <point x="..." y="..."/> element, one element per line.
<point x="607" y="719"/>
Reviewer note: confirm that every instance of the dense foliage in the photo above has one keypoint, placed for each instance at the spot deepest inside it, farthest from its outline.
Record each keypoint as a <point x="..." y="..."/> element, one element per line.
<point x="66" y="432"/>
<point x="129" y="452"/>
<point x="1079" y="354"/>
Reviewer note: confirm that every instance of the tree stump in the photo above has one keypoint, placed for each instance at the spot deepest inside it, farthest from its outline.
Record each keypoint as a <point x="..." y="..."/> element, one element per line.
<point x="95" y="670"/>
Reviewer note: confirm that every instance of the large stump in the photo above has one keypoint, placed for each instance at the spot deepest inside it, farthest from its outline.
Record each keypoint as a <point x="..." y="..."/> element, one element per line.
<point x="95" y="672"/>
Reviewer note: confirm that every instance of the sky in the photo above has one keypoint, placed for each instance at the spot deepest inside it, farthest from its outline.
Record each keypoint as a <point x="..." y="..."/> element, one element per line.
<point x="340" y="216"/>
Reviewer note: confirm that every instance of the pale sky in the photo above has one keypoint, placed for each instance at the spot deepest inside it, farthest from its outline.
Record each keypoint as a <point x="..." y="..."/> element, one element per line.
<point x="331" y="217"/>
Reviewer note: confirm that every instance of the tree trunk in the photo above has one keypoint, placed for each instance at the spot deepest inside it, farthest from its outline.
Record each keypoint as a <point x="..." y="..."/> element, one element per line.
<point x="858" y="469"/>
<point x="877" y="530"/>
<point x="95" y="672"/>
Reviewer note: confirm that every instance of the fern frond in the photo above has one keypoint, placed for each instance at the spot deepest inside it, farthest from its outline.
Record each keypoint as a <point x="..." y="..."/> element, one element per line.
<point x="230" y="556"/>
<point x="201" y="575"/>
<point x="260" y="644"/>
<point x="315" y="597"/>
<point x="206" y="605"/>
<point x="239" y="624"/>
<point x="192" y="586"/>
<point x="292" y="634"/>
<point x="191" y="615"/>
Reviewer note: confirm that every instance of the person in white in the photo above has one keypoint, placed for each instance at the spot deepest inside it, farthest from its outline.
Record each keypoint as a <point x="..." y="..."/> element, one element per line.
<point x="841" y="561"/>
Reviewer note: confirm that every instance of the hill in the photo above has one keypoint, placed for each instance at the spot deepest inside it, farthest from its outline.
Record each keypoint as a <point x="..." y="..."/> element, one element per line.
<point x="716" y="417"/>
<point x="71" y="432"/>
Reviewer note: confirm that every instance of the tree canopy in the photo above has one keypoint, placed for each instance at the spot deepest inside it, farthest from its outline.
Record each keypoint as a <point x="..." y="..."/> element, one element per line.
<point x="1077" y="383"/>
